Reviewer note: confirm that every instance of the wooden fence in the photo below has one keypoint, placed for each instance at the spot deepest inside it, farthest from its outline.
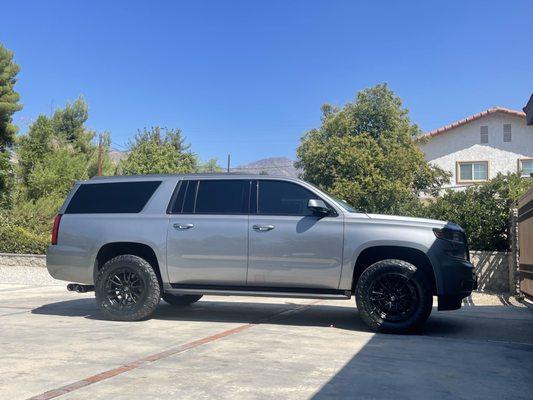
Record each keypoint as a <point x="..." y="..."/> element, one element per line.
<point x="525" y="237"/>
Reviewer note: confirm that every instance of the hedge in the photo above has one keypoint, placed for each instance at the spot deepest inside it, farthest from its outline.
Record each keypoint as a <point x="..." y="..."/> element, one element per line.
<point x="15" y="239"/>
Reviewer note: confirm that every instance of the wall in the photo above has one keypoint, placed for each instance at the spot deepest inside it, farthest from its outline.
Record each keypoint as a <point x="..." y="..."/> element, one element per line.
<point x="22" y="260"/>
<point x="492" y="269"/>
<point x="463" y="144"/>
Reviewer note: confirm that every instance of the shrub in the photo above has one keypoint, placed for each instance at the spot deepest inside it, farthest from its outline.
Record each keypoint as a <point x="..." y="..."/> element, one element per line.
<point x="26" y="227"/>
<point x="15" y="239"/>
<point x="482" y="210"/>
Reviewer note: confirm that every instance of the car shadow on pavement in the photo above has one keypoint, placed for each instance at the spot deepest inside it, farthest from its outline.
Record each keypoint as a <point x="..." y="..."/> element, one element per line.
<point x="474" y="322"/>
<point x="434" y="366"/>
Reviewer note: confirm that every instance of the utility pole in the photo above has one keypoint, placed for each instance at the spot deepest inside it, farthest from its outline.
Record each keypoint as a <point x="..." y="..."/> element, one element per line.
<point x="229" y="161"/>
<point x="100" y="154"/>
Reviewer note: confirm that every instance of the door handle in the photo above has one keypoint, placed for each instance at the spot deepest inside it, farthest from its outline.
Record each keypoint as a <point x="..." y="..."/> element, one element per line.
<point x="183" y="226"/>
<point x="263" y="228"/>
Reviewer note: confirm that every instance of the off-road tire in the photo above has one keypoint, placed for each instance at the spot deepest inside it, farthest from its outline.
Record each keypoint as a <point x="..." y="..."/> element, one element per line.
<point x="403" y="273"/>
<point x="181" y="299"/>
<point x="148" y="299"/>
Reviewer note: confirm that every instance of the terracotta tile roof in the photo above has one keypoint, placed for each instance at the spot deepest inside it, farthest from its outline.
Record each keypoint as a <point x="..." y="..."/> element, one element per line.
<point x="473" y="118"/>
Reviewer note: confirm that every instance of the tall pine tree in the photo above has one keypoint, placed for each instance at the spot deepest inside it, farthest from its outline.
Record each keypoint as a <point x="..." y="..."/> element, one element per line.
<point x="8" y="106"/>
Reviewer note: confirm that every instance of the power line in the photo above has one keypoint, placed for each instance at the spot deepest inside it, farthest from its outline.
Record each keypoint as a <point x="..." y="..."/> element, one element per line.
<point x="266" y="167"/>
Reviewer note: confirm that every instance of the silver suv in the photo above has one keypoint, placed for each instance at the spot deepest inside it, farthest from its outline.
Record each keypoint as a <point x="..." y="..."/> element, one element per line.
<point x="137" y="239"/>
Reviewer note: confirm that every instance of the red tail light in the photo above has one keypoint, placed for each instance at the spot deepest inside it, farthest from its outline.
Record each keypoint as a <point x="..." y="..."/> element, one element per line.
<point x="55" y="229"/>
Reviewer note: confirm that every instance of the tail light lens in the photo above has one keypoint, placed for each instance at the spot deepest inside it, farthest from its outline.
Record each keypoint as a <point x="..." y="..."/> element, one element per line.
<point x="55" y="229"/>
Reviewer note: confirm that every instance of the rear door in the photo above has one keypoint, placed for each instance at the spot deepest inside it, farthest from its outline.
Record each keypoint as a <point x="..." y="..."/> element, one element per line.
<point x="207" y="241"/>
<point x="289" y="245"/>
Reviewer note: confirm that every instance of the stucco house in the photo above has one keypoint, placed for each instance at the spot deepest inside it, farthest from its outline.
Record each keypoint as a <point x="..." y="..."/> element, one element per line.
<point x="478" y="147"/>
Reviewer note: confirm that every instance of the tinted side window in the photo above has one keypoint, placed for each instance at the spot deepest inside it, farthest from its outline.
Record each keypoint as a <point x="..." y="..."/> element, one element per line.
<point x="120" y="197"/>
<point x="176" y="204"/>
<point x="283" y="198"/>
<point x="222" y="197"/>
<point x="190" y="196"/>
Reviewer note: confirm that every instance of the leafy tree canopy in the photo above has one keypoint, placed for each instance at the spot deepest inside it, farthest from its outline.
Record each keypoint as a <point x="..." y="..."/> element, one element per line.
<point x="57" y="151"/>
<point x="366" y="154"/>
<point x="211" y="165"/>
<point x="159" y="151"/>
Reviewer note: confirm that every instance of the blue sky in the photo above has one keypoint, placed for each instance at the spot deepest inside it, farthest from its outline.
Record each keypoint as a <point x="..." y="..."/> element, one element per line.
<point x="248" y="78"/>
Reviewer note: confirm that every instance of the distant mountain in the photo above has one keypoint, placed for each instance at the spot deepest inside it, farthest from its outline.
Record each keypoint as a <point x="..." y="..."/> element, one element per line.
<point x="282" y="166"/>
<point x="117" y="155"/>
<point x="270" y="166"/>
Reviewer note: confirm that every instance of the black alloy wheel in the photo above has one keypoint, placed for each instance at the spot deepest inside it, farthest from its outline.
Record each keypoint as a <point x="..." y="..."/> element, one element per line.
<point x="124" y="288"/>
<point x="394" y="296"/>
<point x="127" y="288"/>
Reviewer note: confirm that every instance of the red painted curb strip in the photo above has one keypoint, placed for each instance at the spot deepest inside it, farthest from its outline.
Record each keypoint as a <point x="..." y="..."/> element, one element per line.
<point x="51" y="394"/>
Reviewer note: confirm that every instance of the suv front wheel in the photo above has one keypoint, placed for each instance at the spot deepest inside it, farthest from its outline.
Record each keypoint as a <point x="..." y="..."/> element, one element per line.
<point x="127" y="288"/>
<point x="393" y="296"/>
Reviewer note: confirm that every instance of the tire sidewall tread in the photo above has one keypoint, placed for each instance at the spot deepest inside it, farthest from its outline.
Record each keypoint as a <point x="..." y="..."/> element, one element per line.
<point x="153" y="288"/>
<point x="421" y="284"/>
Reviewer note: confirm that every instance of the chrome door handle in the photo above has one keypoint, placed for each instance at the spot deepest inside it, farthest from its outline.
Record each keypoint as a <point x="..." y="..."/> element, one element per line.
<point x="183" y="226"/>
<point x="263" y="228"/>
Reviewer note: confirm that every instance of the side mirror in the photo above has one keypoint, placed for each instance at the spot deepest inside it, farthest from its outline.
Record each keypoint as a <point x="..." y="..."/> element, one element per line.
<point x="318" y="206"/>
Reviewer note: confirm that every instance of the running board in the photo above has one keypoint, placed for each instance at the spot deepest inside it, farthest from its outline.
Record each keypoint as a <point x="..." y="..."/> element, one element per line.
<point x="216" y="290"/>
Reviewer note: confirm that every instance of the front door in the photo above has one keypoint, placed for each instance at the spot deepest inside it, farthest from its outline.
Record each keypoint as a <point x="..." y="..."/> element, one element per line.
<point x="289" y="245"/>
<point x="207" y="241"/>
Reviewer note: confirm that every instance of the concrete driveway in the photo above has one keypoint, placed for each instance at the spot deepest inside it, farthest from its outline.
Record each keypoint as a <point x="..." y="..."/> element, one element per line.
<point x="55" y="344"/>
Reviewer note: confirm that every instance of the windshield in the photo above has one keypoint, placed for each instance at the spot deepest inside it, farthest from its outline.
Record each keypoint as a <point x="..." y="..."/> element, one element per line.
<point x="341" y="203"/>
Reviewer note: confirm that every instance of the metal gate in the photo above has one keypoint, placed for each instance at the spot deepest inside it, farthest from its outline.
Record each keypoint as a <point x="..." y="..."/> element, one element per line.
<point x="525" y="237"/>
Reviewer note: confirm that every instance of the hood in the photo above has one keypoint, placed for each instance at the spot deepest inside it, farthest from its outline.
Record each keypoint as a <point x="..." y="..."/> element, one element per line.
<point x="396" y="219"/>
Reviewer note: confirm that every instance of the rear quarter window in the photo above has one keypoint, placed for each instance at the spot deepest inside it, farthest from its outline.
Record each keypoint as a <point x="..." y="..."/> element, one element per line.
<point x="108" y="198"/>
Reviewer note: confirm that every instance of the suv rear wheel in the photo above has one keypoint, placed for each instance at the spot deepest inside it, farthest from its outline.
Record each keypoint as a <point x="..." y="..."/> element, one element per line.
<point x="127" y="288"/>
<point x="181" y="299"/>
<point x="393" y="296"/>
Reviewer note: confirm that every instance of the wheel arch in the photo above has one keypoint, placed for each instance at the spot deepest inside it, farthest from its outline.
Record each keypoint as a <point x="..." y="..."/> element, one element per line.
<point x="373" y="254"/>
<point x="114" y="249"/>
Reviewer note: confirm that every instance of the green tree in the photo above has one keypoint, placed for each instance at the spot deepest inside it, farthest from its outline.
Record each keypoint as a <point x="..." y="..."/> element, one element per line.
<point x="211" y="165"/>
<point x="366" y="154"/>
<point x="57" y="151"/>
<point x="482" y="210"/>
<point x="8" y="97"/>
<point x="54" y="153"/>
<point x="158" y="151"/>
<point x="8" y="106"/>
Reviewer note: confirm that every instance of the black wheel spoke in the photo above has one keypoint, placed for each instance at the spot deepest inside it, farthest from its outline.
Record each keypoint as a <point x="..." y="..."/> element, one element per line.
<point x="124" y="288"/>
<point x="392" y="297"/>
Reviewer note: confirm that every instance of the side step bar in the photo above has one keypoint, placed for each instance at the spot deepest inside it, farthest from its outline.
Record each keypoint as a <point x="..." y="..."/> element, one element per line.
<point x="258" y="291"/>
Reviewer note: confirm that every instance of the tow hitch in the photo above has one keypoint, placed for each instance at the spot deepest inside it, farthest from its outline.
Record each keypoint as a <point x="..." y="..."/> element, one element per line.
<point x="76" y="287"/>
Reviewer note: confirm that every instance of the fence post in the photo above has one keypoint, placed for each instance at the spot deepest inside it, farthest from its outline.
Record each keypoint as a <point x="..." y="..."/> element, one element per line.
<point x="515" y="252"/>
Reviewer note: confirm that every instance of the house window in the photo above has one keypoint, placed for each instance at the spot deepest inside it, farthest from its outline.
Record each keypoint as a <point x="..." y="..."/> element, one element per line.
<point x="525" y="167"/>
<point x="484" y="134"/>
<point x="476" y="171"/>
<point x="506" y="132"/>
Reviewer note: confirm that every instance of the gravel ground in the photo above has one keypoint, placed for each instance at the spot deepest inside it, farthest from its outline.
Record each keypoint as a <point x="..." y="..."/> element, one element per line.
<point x="27" y="276"/>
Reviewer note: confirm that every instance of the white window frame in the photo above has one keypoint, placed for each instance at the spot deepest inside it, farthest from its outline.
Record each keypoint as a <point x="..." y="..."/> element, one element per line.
<point x="520" y="168"/>
<point x="510" y="133"/>
<point x="483" y="135"/>
<point x="473" y="180"/>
